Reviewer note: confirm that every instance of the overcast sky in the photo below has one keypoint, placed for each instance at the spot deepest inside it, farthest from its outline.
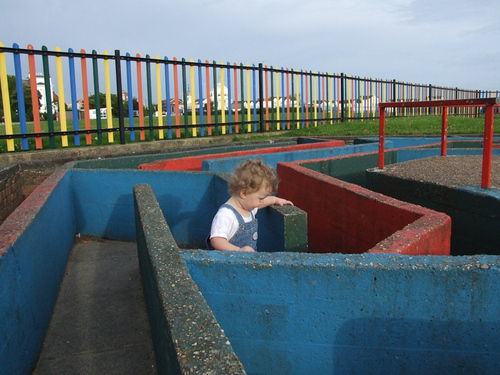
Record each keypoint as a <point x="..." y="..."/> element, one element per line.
<point x="452" y="43"/>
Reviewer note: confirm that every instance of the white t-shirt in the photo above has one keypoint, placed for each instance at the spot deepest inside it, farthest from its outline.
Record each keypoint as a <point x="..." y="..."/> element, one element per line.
<point x="225" y="224"/>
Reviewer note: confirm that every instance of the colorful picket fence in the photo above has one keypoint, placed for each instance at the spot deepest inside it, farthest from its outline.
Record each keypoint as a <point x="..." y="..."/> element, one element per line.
<point x="179" y="98"/>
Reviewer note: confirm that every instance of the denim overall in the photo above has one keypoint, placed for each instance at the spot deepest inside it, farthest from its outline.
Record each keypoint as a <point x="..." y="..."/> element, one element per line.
<point x="246" y="234"/>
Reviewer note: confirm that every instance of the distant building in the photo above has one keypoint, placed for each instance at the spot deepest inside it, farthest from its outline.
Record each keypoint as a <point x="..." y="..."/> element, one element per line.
<point x="219" y="94"/>
<point x="172" y="106"/>
<point x="93" y="113"/>
<point x="40" y="86"/>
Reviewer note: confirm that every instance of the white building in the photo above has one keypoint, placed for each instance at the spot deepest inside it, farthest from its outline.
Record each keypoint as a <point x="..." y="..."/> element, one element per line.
<point x="219" y="97"/>
<point x="40" y="86"/>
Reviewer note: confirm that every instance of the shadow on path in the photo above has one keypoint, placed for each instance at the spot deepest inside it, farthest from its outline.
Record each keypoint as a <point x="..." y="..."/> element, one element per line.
<point x="100" y="323"/>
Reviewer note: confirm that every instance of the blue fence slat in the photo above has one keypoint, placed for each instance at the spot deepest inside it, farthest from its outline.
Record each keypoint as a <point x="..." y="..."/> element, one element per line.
<point x="302" y="98"/>
<point x="20" y="98"/>
<point x="318" y="104"/>
<point x="254" y="98"/>
<point x="74" y="105"/>
<point x="283" y="94"/>
<point x="200" y="98"/>
<point x="242" y="128"/>
<point x="335" y="99"/>
<point x="229" y="97"/>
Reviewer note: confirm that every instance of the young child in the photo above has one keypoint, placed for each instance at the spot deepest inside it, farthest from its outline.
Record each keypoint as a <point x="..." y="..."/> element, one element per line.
<point x="234" y="227"/>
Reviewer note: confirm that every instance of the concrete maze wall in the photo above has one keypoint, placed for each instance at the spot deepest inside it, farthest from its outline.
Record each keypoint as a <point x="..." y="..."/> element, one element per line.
<point x="186" y="335"/>
<point x="293" y="313"/>
<point x="37" y="238"/>
<point x="282" y="312"/>
<point x="349" y="219"/>
<point x="475" y="212"/>
<point x="35" y="242"/>
<point x="195" y="163"/>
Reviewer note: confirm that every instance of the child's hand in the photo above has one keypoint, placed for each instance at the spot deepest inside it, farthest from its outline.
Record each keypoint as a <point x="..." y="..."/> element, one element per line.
<point x="281" y="202"/>
<point x="271" y="199"/>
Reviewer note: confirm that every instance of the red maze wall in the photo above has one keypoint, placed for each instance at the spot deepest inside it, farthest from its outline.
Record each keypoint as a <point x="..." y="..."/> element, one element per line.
<point x="349" y="219"/>
<point x="194" y="163"/>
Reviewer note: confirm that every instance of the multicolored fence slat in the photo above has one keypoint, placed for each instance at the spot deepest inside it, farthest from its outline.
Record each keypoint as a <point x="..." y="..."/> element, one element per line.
<point x="140" y="99"/>
<point x="34" y="99"/>
<point x="61" y="102"/>
<point x="86" y="106"/>
<point x="6" y="100"/>
<point x="109" y="113"/>
<point x="74" y="105"/>
<point x="167" y="100"/>
<point x="128" y="65"/>
<point x="20" y="98"/>
<point x="149" y="89"/>
<point x="202" y="99"/>
<point x="192" y="97"/>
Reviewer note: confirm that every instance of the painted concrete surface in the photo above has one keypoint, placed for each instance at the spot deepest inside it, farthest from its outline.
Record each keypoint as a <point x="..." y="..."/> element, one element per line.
<point x="104" y="207"/>
<point x="289" y="313"/>
<point x="195" y="163"/>
<point x="475" y="212"/>
<point x="349" y="219"/>
<point x="132" y="161"/>
<point x="38" y="237"/>
<point x="400" y="142"/>
<point x="35" y="242"/>
<point x="228" y="164"/>
<point x="354" y="314"/>
<point x="361" y="145"/>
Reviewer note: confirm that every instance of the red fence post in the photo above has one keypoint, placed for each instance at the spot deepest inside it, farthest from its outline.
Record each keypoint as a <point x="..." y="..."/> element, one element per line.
<point x="444" y="131"/>
<point x="488" y="146"/>
<point x="34" y="98"/>
<point x="381" y="138"/>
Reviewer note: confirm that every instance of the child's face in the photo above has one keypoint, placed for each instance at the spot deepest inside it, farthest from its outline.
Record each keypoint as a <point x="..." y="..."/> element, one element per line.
<point x="250" y="201"/>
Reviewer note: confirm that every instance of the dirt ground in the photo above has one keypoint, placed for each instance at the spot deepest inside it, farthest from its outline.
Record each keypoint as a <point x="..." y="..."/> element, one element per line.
<point x="447" y="170"/>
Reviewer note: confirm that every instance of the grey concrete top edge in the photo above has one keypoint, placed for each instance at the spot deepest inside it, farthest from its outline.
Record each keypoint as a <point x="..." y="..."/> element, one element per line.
<point x="118" y="150"/>
<point x="73" y="165"/>
<point x="337" y="260"/>
<point x="182" y="301"/>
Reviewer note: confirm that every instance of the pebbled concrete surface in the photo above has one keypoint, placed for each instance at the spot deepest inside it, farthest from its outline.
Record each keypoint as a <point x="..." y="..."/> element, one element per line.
<point x="100" y="323"/>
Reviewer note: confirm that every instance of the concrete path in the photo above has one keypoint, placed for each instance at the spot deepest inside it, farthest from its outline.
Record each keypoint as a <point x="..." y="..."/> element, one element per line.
<point x="100" y="323"/>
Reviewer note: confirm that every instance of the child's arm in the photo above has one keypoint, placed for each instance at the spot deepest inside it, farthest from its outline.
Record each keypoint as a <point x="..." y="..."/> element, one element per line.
<point x="220" y="243"/>
<point x="271" y="199"/>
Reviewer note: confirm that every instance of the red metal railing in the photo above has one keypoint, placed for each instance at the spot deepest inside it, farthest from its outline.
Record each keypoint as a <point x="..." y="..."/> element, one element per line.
<point x="488" y="103"/>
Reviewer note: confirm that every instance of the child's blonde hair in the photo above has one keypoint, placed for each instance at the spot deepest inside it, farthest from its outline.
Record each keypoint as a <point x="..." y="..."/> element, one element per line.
<point x="251" y="175"/>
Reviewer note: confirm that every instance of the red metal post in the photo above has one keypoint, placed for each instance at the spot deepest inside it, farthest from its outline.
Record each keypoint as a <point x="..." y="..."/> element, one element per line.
<point x="381" y="138"/>
<point x="488" y="146"/>
<point x="488" y="103"/>
<point x="444" y="131"/>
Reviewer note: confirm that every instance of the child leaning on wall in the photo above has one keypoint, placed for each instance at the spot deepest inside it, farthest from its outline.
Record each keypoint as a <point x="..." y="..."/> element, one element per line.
<point x="234" y="227"/>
